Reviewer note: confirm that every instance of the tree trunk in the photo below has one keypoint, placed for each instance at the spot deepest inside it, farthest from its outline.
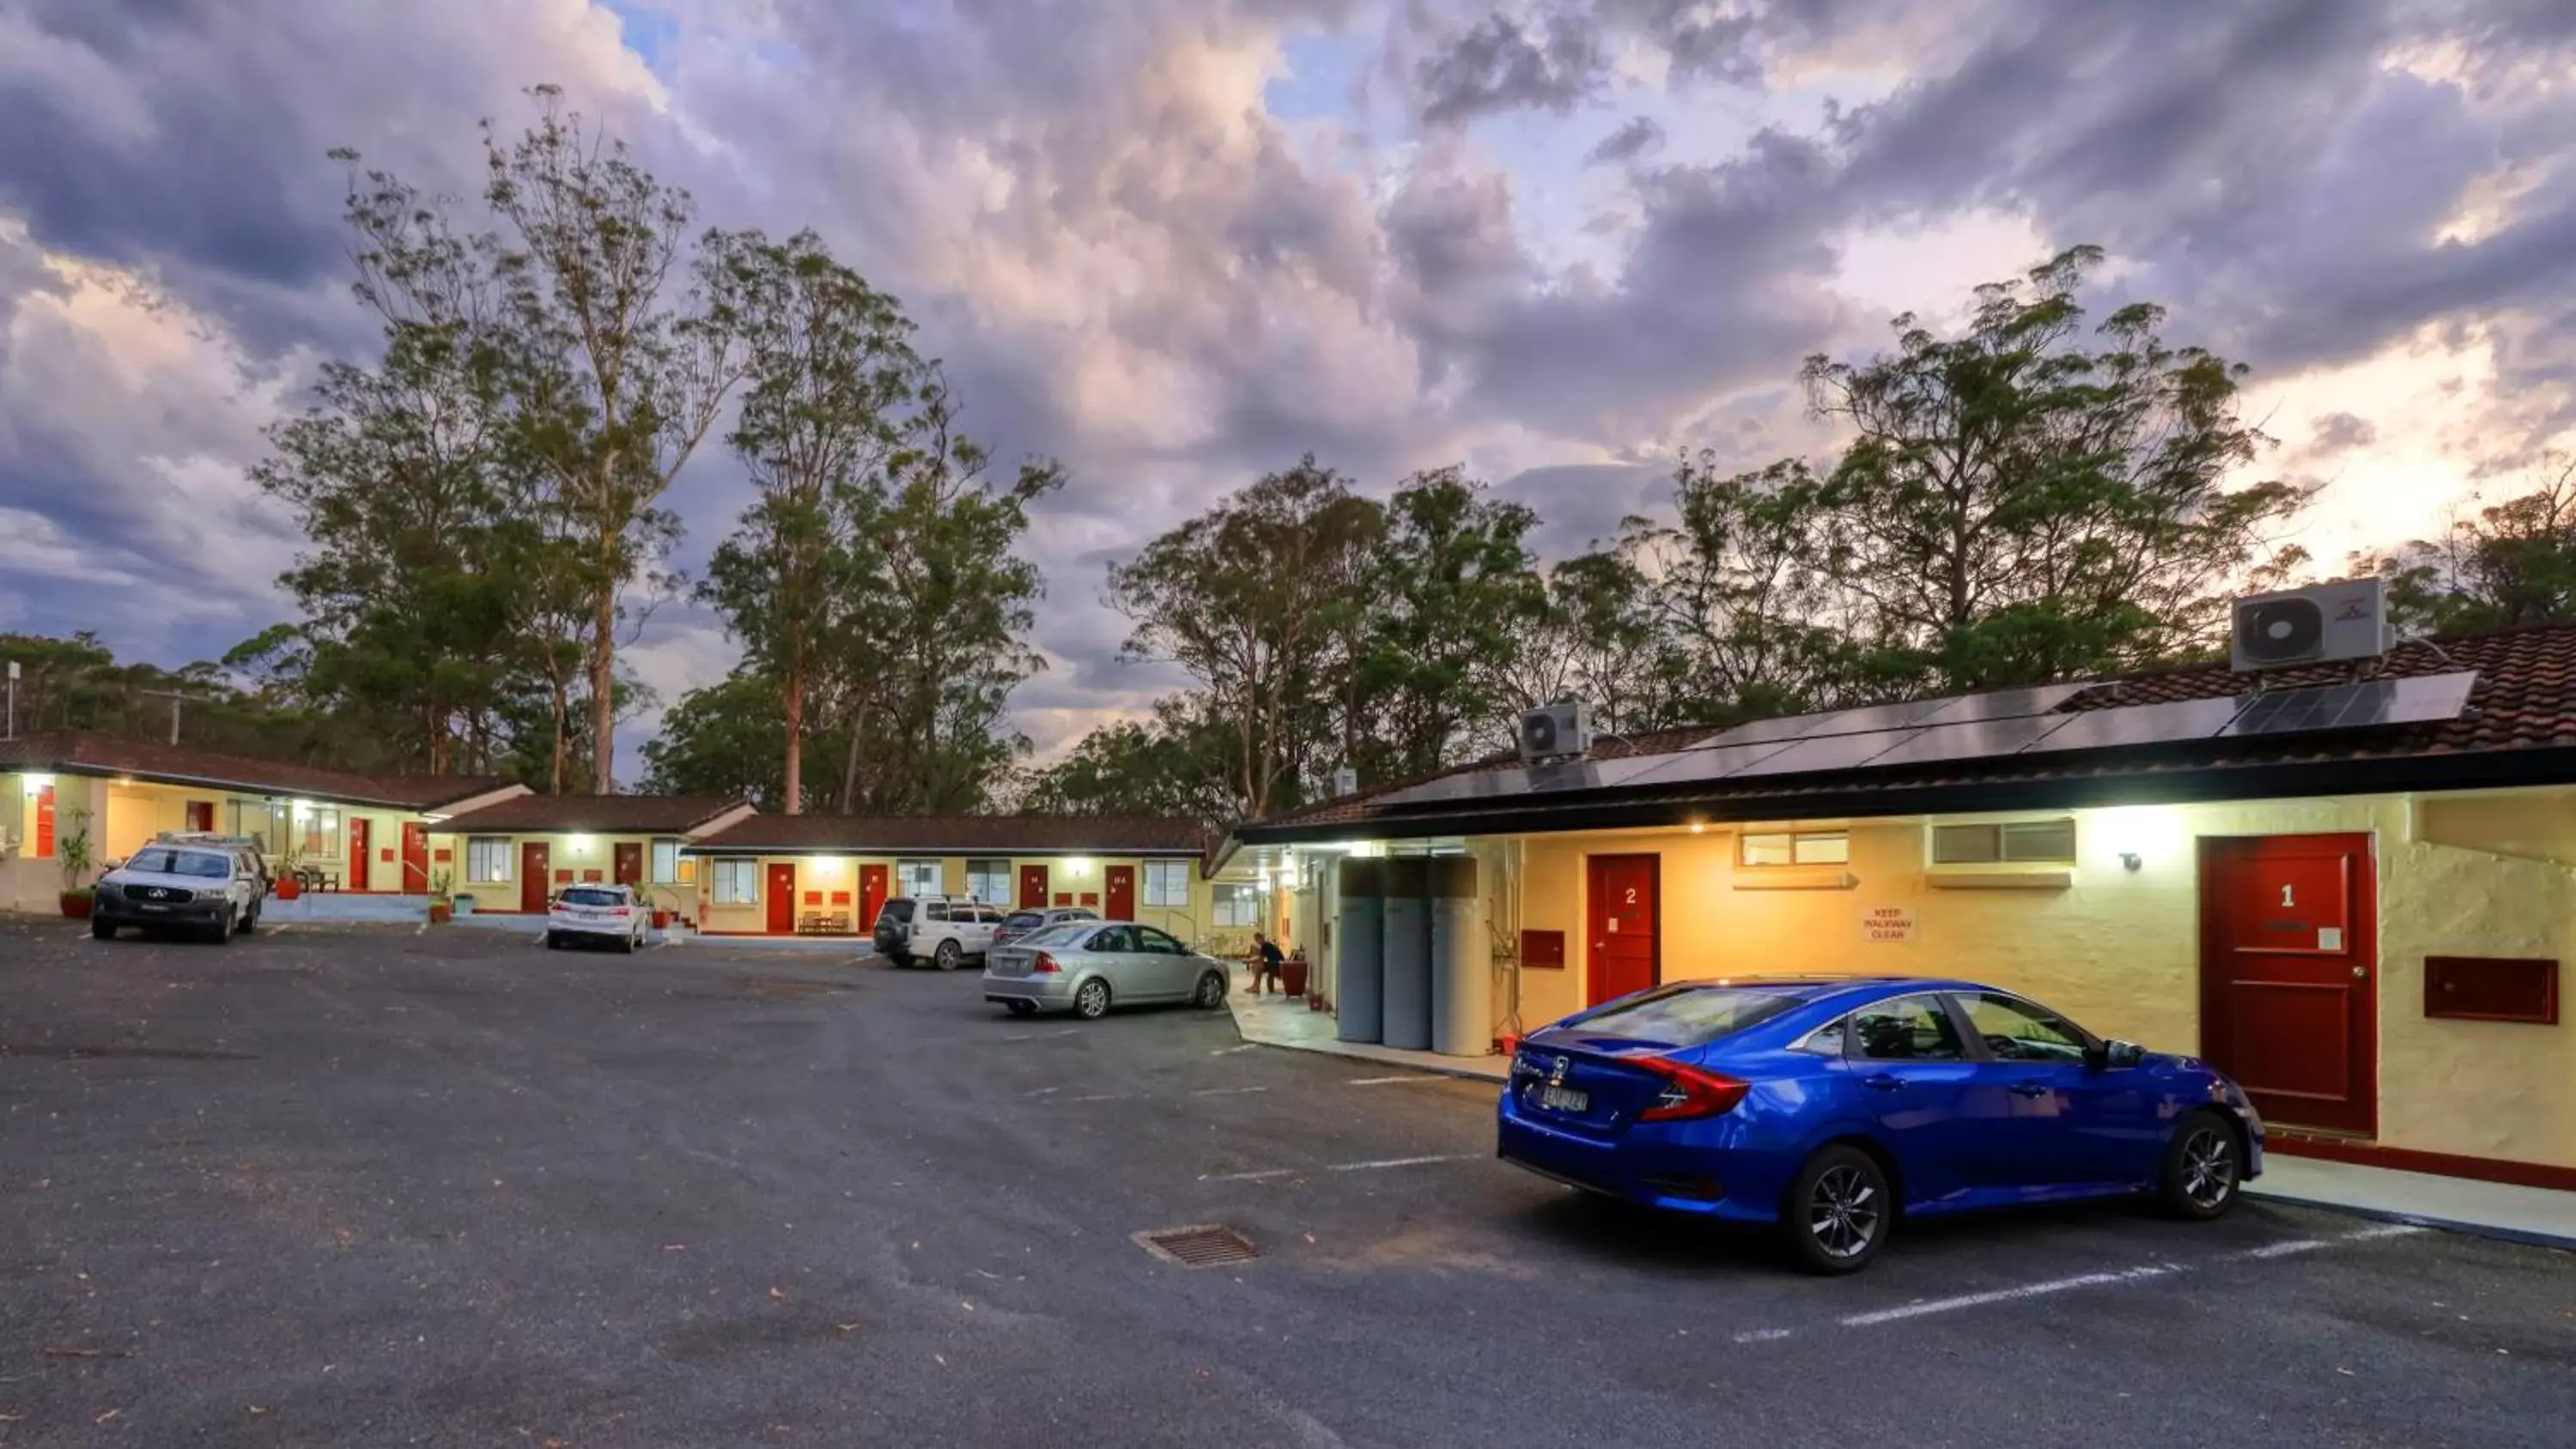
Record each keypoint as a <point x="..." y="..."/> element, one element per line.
<point x="850" y="767"/>
<point x="795" y="802"/>
<point x="603" y="691"/>
<point x="563" y="721"/>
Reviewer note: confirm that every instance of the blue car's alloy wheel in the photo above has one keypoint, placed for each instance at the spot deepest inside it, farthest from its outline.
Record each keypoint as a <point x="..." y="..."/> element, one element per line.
<point x="1838" y="1211"/>
<point x="2203" y="1167"/>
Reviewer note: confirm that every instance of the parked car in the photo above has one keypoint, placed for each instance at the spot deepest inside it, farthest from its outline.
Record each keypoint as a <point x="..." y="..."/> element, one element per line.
<point x="948" y="932"/>
<point x="1086" y="967"/>
<point x="893" y="927"/>
<point x="1833" y="1108"/>
<point x="1022" y="923"/>
<point x="202" y="888"/>
<point x="600" y="914"/>
<point x="244" y="846"/>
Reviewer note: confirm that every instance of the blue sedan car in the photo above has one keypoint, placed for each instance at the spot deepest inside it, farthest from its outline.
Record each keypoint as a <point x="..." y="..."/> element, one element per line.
<point x="1831" y="1106"/>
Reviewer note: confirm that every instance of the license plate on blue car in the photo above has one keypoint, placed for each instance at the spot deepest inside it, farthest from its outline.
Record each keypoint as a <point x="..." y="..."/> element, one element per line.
<point x="1564" y="1099"/>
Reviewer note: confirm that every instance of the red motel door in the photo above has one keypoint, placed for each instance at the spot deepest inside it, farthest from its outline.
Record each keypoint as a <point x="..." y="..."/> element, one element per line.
<point x="201" y="815"/>
<point x="782" y="898"/>
<point x="2289" y="947"/>
<point x="43" y="829"/>
<point x="872" y="895"/>
<point x="629" y="862"/>
<point x="534" y="865"/>
<point x="1623" y="920"/>
<point x="1122" y="893"/>
<point x="1033" y="887"/>
<point x="415" y="857"/>
<point x="359" y="854"/>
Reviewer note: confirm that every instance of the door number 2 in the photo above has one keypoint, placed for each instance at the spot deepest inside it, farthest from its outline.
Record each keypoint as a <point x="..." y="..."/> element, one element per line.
<point x="2288" y="900"/>
<point x="1632" y="894"/>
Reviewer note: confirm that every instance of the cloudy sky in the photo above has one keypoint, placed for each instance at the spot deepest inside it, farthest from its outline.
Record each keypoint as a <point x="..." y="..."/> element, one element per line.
<point x="1178" y="242"/>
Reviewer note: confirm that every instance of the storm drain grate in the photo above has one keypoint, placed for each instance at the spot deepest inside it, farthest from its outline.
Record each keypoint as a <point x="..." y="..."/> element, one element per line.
<point x="1205" y="1246"/>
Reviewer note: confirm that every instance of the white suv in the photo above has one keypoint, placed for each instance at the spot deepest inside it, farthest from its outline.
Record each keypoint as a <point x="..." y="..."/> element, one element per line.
<point x="950" y="931"/>
<point x="208" y="888"/>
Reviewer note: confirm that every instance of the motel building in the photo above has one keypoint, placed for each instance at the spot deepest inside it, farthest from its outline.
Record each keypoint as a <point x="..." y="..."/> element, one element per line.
<point x="2347" y="884"/>
<point x="827" y="875"/>
<point x="512" y="856"/>
<point x="361" y="834"/>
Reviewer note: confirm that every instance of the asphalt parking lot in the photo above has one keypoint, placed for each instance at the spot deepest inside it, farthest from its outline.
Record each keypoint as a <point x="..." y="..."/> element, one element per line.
<point x="379" y="1187"/>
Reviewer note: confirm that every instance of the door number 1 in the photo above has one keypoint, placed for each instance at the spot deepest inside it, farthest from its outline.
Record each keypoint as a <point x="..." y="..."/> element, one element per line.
<point x="2288" y="901"/>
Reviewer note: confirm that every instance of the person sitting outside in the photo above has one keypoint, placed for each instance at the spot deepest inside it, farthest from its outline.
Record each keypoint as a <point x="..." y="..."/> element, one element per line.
<point x="1266" y="961"/>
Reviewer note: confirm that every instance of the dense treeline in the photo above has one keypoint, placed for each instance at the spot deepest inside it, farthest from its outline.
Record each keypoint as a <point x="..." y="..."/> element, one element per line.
<point x="2032" y="495"/>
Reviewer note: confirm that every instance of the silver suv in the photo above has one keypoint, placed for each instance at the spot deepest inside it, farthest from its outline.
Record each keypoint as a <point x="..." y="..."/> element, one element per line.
<point x="208" y="889"/>
<point x="949" y="931"/>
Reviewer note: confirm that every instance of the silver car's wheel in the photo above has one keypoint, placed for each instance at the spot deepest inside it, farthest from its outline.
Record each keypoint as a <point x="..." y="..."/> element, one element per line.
<point x="1211" y="991"/>
<point x="1091" y="1002"/>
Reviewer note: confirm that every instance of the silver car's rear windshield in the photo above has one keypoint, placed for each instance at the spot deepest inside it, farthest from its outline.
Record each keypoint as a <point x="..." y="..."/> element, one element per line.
<point x="1060" y="934"/>
<point x="160" y="860"/>
<point x="1686" y="1015"/>
<point x="593" y="896"/>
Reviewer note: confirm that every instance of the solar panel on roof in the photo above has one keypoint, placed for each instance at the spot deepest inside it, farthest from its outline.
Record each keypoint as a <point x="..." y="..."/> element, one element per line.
<point x="2131" y="725"/>
<point x="2003" y="704"/>
<point x="1826" y="754"/>
<point x="2354" y="706"/>
<point x="1974" y="740"/>
<point x="1525" y="780"/>
<point x="1695" y="766"/>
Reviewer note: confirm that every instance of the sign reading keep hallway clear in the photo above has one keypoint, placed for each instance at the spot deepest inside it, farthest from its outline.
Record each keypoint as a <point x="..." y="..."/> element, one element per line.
<point x="1887" y="924"/>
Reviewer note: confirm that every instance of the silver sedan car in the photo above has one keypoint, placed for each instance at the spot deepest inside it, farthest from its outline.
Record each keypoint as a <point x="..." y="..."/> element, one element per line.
<point x="1086" y="967"/>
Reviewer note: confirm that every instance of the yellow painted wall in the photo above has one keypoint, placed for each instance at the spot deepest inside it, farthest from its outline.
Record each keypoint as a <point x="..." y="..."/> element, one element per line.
<point x="2119" y="951"/>
<point x="579" y="854"/>
<point x="829" y="873"/>
<point x="123" y="816"/>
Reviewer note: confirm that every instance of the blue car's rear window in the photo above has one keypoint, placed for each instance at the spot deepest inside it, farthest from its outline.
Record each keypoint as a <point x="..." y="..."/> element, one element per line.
<point x="1686" y="1015"/>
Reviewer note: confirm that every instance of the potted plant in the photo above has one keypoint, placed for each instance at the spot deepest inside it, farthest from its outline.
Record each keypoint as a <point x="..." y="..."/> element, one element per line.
<point x="1292" y="974"/>
<point x="661" y="914"/>
<point x="289" y="885"/>
<point x="442" y="898"/>
<point x="72" y="852"/>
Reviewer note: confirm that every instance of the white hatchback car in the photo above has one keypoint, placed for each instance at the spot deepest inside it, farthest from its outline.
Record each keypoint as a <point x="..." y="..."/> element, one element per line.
<point x="605" y="914"/>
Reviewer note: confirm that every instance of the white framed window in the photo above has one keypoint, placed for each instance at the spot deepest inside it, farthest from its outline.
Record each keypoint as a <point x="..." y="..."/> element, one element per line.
<point x="262" y="820"/>
<point x="737" y="882"/>
<point x="321" y="831"/>
<point x="989" y="881"/>
<point x="2007" y="842"/>
<point x="1167" y="884"/>
<point x="1795" y="847"/>
<point x="1237" y="906"/>
<point x="917" y="877"/>
<point x="487" y="860"/>
<point x="666" y="862"/>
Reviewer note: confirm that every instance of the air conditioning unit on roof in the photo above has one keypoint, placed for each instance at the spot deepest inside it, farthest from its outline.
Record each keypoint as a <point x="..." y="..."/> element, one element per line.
<point x="1555" y="731"/>
<point x="2309" y="626"/>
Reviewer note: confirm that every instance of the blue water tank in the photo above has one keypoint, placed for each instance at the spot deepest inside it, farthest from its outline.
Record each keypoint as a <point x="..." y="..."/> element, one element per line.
<point x="1358" y="950"/>
<point x="1408" y="953"/>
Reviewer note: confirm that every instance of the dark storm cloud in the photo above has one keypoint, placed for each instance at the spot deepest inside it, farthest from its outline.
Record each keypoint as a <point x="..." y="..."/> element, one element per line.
<point x="1639" y="136"/>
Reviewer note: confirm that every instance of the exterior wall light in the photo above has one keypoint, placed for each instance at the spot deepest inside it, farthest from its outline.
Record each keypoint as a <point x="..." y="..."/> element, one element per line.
<point x="2130" y="860"/>
<point x="2136" y="834"/>
<point x="578" y="845"/>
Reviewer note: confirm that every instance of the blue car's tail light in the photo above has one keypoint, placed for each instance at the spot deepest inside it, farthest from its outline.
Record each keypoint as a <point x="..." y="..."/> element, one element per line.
<point x="1689" y="1091"/>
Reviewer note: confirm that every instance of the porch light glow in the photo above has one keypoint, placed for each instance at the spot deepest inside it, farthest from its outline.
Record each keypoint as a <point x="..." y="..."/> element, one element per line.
<point x="579" y="844"/>
<point x="2139" y="833"/>
<point x="1078" y="865"/>
<point x="823" y="864"/>
<point x="37" y="783"/>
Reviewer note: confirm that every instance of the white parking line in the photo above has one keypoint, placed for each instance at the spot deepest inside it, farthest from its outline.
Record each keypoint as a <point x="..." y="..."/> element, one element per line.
<point x="2289" y="1248"/>
<point x="1103" y="1097"/>
<point x="1226" y="1091"/>
<point x="1262" y="1176"/>
<point x="1047" y="1092"/>
<point x="1039" y="1035"/>
<point x="1388" y="1081"/>
<point x="1404" y="1162"/>
<point x="1230" y="1051"/>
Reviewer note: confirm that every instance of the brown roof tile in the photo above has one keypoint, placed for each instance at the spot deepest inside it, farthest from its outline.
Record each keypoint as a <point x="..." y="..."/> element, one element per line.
<point x="958" y="835"/>
<point x="81" y="752"/>
<point x="593" y="814"/>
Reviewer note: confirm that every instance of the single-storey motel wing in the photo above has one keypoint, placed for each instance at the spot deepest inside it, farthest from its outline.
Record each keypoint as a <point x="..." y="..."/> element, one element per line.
<point x="2351" y="887"/>
<point x="361" y="833"/>
<point x="510" y="857"/>
<point x="778" y="875"/>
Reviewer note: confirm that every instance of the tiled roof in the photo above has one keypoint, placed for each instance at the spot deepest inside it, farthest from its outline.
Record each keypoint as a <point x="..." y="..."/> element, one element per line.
<point x="2523" y="708"/>
<point x="80" y="752"/>
<point x="958" y="835"/>
<point x="593" y="815"/>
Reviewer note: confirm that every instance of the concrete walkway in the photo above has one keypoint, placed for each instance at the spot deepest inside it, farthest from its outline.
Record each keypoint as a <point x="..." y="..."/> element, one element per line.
<point x="1281" y="1021"/>
<point x="2496" y="1210"/>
